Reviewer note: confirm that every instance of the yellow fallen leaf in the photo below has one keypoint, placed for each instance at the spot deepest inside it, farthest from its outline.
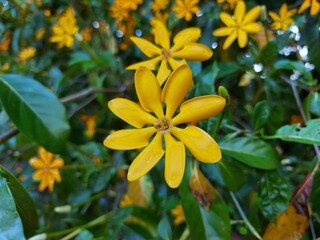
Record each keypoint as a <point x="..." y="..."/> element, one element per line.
<point x="289" y="225"/>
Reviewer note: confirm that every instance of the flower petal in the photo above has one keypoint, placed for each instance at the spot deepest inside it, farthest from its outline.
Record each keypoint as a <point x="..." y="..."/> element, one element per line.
<point x="36" y="163"/>
<point x="223" y="31"/>
<point x="304" y="6"/>
<point x="242" y="38"/>
<point x="176" y="88"/>
<point x="252" y="15"/>
<point x="199" y="108"/>
<point x="274" y="16"/>
<point x="148" y="48"/>
<point x="44" y="183"/>
<point x="130" y="112"/>
<point x="163" y="72"/>
<point x="161" y="34"/>
<point x="227" y="19"/>
<point x="239" y="12"/>
<point x="252" y="28"/>
<point x="128" y="139"/>
<point x="184" y="37"/>
<point x="315" y="7"/>
<point x="194" y="52"/>
<point x="55" y="174"/>
<point x="175" y="159"/>
<point x="283" y="10"/>
<point x="57" y="163"/>
<point x="46" y="156"/>
<point x="150" y="64"/>
<point x="147" y="159"/>
<point x="148" y="91"/>
<point x="200" y="144"/>
<point x="230" y="39"/>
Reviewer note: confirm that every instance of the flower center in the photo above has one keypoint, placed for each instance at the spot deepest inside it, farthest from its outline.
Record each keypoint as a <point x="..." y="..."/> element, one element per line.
<point x="163" y="125"/>
<point x="166" y="54"/>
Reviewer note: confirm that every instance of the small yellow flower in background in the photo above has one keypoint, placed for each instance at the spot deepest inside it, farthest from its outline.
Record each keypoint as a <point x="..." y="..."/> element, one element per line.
<point x="126" y="201"/>
<point x="238" y="26"/>
<point x="159" y="5"/>
<point x="232" y="3"/>
<point x="47" y="169"/>
<point x="5" y="42"/>
<point x="186" y="8"/>
<point x="47" y="13"/>
<point x="130" y="4"/>
<point x="86" y="34"/>
<point x="184" y="47"/>
<point x="283" y="20"/>
<point x="26" y="53"/>
<point x="90" y="122"/>
<point x="314" y="6"/>
<point x="178" y="214"/>
<point x="64" y="32"/>
<point x="39" y="34"/>
<point x="4" y="67"/>
<point x="164" y="125"/>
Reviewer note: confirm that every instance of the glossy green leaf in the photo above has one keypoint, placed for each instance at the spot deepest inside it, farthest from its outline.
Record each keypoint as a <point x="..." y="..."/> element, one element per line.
<point x="164" y="228"/>
<point x="309" y="134"/>
<point x="314" y="104"/>
<point x="313" y="41"/>
<point x="274" y="195"/>
<point x="24" y="203"/>
<point x="35" y="110"/>
<point x="232" y="176"/>
<point x="11" y="225"/>
<point x="315" y="195"/>
<point x="213" y="224"/>
<point x="261" y="114"/>
<point x="206" y="81"/>
<point x="269" y="53"/>
<point x="228" y="68"/>
<point x="251" y="151"/>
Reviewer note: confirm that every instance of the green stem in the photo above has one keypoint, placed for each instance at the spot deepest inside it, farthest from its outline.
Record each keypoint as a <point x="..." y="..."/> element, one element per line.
<point x="87" y="48"/>
<point x="217" y="126"/>
<point x="185" y="234"/>
<point x="244" y="217"/>
<point x="90" y="199"/>
<point x="83" y="166"/>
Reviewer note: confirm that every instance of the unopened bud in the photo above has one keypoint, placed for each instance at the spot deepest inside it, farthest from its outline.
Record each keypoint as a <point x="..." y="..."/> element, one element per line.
<point x="223" y="92"/>
<point x="263" y="13"/>
<point x="63" y="209"/>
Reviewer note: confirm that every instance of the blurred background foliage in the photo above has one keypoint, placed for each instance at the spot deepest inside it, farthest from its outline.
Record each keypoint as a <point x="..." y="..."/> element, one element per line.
<point x="269" y="132"/>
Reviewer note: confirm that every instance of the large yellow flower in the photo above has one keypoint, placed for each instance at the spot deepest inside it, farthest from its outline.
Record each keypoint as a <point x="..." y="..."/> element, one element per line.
<point x="47" y="169"/>
<point x="186" y="8"/>
<point x="239" y="25"/>
<point x="283" y="20"/>
<point x="184" y="47"/>
<point x="314" y="6"/>
<point x="150" y="115"/>
<point x="64" y="32"/>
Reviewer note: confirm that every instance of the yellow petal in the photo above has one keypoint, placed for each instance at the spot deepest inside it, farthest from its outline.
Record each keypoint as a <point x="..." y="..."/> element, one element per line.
<point x="184" y="37"/>
<point x="175" y="63"/>
<point x="55" y="174"/>
<point x="148" y="91"/>
<point x="130" y="112"/>
<point x="163" y="72"/>
<point x="200" y="144"/>
<point x="194" y="52"/>
<point x="147" y="159"/>
<point x="283" y="9"/>
<point x="315" y="7"/>
<point x="199" y="108"/>
<point x="43" y="184"/>
<point x="223" y="31"/>
<point x="176" y="88"/>
<point x="252" y="15"/>
<point x="242" y="38"/>
<point x="252" y="28"/>
<point x="161" y="34"/>
<point x="227" y="19"/>
<point x="230" y="39"/>
<point x="57" y="163"/>
<point x="46" y="156"/>
<point x="36" y="163"/>
<point x="39" y="174"/>
<point x="148" y="48"/>
<point x="128" y="139"/>
<point x="239" y="12"/>
<point x="175" y="159"/>
<point x="274" y="16"/>
<point x="304" y="6"/>
<point x="150" y="64"/>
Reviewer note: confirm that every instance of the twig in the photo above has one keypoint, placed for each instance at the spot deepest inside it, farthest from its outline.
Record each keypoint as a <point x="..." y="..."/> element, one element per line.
<point x="9" y="134"/>
<point x="244" y="217"/>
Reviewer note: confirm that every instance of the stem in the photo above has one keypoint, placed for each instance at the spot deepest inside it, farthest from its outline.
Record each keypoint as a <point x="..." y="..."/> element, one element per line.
<point x="217" y="126"/>
<point x="244" y="217"/>
<point x="81" y="166"/>
<point x="185" y="234"/>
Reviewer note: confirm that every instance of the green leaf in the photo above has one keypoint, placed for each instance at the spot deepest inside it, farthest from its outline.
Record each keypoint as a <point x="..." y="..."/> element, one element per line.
<point x="85" y="235"/>
<point x="35" y="110"/>
<point x="274" y="195"/>
<point x="309" y="134"/>
<point x="164" y="228"/>
<point x="23" y="201"/>
<point x="227" y="68"/>
<point x="314" y="103"/>
<point x="312" y="35"/>
<point x="206" y="83"/>
<point x="269" y="53"/>
<point x="232" y="176"/>
<point x="213" y="224"/>
<point x="261" y="114"/>
<point x="315" y="195"/>
<point x="11" y="225"/>
<point x="251" y="151"/>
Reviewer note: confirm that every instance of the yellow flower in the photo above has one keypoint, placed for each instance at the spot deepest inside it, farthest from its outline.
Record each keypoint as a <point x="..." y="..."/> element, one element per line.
<point x="126" y="201"/>
<point x="90" y="122"/>
<point x="40" y="33"/>
<point x="47" y="169"/>
<point x="130" y="4"/>
<point x="164" y="125"/>
<point x="159" y="5"/>
<point x="26" y="53"/>
<point x="238" y="26"/>
<point x="4" y="67"/>
<point x="184" y="47"/>
<point x="186" y="8"/>
<point x="64" y="32"/>
<point x="5" y="42"/>
<point x="178" y="214"/>
<point x="283" y="20"/>
<point x="313" y="4"/>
